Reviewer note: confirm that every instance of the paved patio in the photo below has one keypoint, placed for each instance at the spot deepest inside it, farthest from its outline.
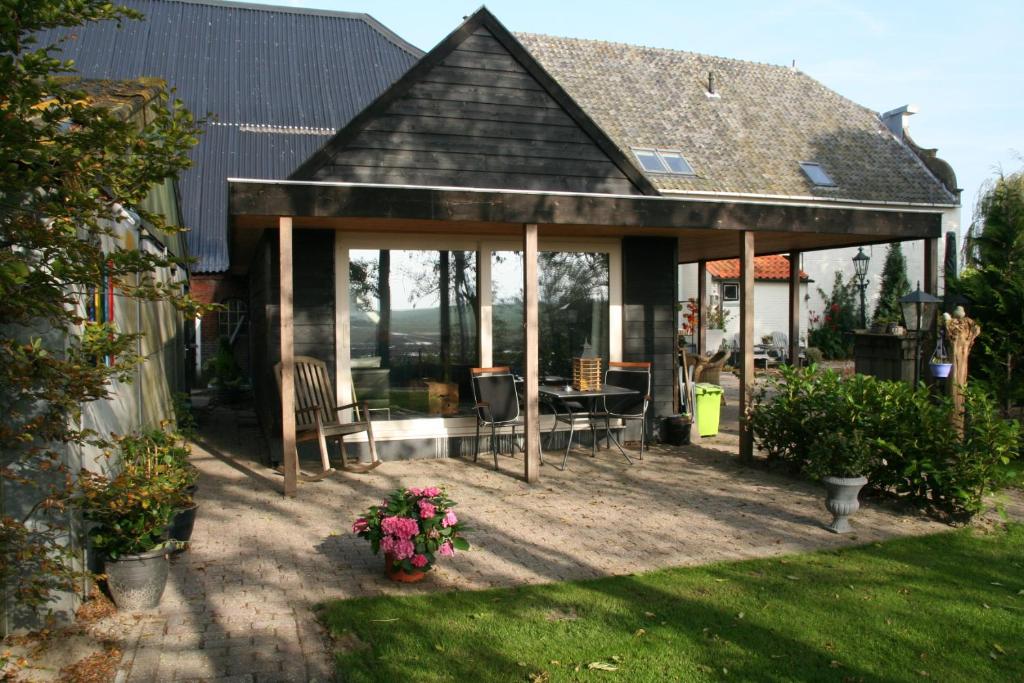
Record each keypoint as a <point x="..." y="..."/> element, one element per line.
<point x="238" y="606"/>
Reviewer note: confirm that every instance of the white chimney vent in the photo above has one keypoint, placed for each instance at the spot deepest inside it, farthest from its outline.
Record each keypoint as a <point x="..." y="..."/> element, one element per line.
<point x="896" y="119"/>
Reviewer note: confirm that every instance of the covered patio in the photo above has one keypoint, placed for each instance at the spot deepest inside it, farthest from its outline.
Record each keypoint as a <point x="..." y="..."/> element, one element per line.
<point x="241" y="602"/>
<point x="652" y="235"/>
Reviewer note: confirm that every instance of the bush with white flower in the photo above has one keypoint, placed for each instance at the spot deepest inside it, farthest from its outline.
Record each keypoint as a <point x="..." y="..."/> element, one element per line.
<point x="413" y="527"/>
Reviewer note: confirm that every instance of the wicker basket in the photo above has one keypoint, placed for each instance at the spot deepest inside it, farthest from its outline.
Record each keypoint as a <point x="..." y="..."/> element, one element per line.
<point x="586" y="374"/>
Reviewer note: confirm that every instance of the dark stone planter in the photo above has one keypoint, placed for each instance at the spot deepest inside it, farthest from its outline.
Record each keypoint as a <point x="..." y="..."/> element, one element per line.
<point x="182" y="523"/>
<point x="137" y="581"/>
<point x="842" y="501"/>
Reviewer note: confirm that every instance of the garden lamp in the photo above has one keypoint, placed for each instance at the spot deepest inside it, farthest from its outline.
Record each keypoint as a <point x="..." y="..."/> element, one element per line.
<point x="860" y="267"/>
<point x="919" y="310"/>
<point x="918" y="313"/>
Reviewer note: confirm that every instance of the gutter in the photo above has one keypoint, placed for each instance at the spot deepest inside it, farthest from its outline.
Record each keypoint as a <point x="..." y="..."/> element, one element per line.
<point x="806" y="200"/>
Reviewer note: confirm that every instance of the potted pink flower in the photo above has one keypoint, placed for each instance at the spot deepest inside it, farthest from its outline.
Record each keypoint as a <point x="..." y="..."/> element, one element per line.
<point x="413" y="527"/>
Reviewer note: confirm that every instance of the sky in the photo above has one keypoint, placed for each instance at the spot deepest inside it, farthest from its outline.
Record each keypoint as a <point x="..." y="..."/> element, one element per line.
<point x="960" y="62"/>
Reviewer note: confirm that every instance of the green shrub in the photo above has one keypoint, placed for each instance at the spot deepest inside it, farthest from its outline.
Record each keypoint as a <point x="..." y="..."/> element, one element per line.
<point x="813" y="355"/>
<point x="901" y="436"/>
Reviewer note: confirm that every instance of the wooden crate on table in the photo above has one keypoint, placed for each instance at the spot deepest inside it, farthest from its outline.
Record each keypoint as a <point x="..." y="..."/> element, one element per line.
<point x="586" y="374"/>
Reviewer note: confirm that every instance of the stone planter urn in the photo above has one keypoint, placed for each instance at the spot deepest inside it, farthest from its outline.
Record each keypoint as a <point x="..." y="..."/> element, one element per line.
<point x="842" y="501"/>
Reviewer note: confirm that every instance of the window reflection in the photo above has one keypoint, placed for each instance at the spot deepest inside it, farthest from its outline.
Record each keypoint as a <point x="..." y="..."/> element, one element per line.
<point x="413" y="330"/>
<point x="573" y="308"/>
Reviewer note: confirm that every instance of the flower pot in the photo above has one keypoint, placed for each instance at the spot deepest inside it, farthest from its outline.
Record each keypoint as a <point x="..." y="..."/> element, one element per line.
<point x="182" y="523"/>
<point x="676" y="430"/>
<point x="842" y="501"/>
<point x="137" y="581"/>
<point x="940" y="369"/>
<point x="396" y="573"/>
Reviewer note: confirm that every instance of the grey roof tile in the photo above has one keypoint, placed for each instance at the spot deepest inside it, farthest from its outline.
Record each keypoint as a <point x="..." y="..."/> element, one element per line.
<point x="751" y="138"/>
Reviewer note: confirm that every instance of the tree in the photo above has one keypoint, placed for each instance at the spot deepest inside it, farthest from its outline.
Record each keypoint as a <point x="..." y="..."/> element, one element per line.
<point x="831" y="332"/>
<point x="894" y="286"/>
<point x="67" y="168"/>
<point x="993" y="283"/>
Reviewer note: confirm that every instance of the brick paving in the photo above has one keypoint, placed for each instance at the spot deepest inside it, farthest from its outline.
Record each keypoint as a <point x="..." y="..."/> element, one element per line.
<point x="239" y="603"/>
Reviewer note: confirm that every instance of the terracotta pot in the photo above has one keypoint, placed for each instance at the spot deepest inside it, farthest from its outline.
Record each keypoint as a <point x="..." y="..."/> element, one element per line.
<point x="396" y="573"/>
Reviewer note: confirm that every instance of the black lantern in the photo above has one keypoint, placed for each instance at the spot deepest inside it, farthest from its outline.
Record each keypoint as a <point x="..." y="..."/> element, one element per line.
<point x="919" y="310"/>
<point x="860" y="267"/>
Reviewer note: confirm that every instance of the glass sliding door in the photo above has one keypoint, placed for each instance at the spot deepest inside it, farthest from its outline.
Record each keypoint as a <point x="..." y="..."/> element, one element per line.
<point x="413" y="330"/>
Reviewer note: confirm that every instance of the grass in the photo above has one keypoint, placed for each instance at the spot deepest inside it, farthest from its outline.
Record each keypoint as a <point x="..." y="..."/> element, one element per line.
<point x="948" y="607"/>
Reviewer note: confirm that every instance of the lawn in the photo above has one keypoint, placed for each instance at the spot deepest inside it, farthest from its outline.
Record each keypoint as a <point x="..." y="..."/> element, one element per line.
<point x="947" y="607"/>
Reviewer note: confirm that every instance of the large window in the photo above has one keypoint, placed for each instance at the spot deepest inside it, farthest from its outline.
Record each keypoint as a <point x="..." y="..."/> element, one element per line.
<point x="573" y="308"/>
<point x="413" y="330"/>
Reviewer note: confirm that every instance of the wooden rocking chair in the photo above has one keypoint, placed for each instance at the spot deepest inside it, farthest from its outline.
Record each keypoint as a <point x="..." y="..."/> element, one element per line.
<point x="317" y="418"/>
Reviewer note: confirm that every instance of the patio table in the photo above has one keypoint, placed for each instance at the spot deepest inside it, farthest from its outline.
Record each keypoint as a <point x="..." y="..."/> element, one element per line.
<point x="567" y="393"/>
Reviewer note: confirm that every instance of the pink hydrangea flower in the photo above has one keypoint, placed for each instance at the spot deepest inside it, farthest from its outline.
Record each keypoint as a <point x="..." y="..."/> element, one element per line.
<point x="431" y="491"/>
<point x="419" y="561"/>
<point x="446" y="549"/>
<point x="401" y="527"/>
<point x="414" y="491"/>
<point x="398" y="548"/>
<point x="449" y="519"/>
<point x="360" y="525"/>
<point x="427" y="509"/>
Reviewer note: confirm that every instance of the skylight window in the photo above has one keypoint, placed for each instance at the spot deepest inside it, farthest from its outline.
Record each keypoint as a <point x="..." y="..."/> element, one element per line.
<point x="817" y="174"/>
<point x="663" y="161"/>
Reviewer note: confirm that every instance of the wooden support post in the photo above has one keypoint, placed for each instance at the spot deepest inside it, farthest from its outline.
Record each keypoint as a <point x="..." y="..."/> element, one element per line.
<point x="702" y="308"/>
<point x="931" y="266"/>
<point x="794" y="308"/>
<point x="530" y="340"/>
<point x="746" y="248"/>
<point x="289" y="454"/>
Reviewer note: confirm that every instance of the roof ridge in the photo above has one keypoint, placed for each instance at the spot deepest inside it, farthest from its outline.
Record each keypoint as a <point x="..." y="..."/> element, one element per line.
<point x="659" y="49"/>
<point x="373" y="23"/>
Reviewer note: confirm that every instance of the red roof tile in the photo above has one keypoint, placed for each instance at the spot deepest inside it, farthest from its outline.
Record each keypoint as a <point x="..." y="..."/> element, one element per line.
<point x="775" y="267"/>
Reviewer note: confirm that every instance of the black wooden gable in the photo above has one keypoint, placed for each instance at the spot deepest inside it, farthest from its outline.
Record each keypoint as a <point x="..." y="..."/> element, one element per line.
<point x="477" y="111"/>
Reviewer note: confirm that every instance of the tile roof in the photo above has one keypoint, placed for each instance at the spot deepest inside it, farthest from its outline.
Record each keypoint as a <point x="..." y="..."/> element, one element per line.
<point x="751" y="138"/>
<point x="773" y="267"/>
<point x="278" y="82"/>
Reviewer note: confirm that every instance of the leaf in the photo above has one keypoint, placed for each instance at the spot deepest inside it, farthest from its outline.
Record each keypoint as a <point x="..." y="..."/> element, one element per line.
<point x="439" y="647"/>
<point x="999" y="648"/>
<point x="602" y="666"/>
<point x="460" y="543"/>
<point x="793" y="578"/>
<point x="652" y="614"/>
<point x="639" y="632"/>
<point x="740" y="615"/>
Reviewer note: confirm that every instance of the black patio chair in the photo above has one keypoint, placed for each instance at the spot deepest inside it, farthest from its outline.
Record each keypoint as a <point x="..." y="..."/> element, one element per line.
<point x="496" y="403"/>
<point x="635" y="376"/>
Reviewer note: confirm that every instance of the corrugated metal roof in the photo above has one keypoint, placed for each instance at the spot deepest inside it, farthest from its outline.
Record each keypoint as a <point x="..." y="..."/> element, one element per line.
<point x="279" y="81"/>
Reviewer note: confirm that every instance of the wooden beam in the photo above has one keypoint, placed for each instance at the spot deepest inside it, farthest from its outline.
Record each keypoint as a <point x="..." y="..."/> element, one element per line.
<point x="794" y="308"/>
<point x="702" y="308"/>
<point x="290" y="455"/>
<point x="333" y="200"/>
<point x="931" y="266"/>
<point x="530" y="340"/>
<point x="483" y="303"/>
<point x="746" y="249"/>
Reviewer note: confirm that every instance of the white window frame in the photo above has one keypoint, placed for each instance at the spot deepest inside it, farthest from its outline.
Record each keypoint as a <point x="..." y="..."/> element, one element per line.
<point x="443" y="427"/>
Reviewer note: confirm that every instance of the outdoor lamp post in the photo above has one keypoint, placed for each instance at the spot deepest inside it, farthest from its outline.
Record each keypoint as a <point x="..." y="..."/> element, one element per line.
<point x="919" y="310"/>
<point x="860" y="266"/>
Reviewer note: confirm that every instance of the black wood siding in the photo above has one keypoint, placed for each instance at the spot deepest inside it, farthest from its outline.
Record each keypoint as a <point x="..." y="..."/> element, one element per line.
<point x="477" y="119"/>
<point x="649" y="290"/>
<point x="313" y="256"/>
